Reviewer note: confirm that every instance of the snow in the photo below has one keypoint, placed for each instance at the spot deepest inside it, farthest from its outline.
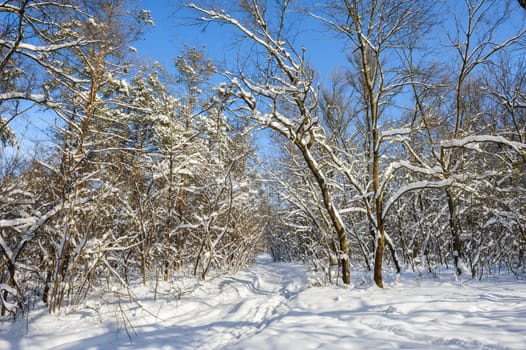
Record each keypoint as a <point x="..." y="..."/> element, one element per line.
<point x="392" y="135"/>
<point x="18" y="222"/>
<point x="411" y="187"/>
<point x="518" y="146"/>
<point x="92" y="22"/>
<point x="272" y="306"/>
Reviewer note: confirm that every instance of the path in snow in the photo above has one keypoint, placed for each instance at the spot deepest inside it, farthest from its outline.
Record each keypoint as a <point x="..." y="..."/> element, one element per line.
<point x="219" y="312"/>
<point x="226" y="309"/>
<point x="270" y="307"/>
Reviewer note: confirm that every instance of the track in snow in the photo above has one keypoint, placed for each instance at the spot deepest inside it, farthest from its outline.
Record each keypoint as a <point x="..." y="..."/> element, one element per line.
<point x="228" y="309"/>
<point x="270" y="307"/>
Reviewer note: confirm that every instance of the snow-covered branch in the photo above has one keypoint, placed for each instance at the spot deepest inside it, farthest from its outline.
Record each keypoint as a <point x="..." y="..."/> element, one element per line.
<point x="36" y="98"/>
<point x="17" y="223"/>
<point x="473" y="139"/>
<point x="45" y="48"/>
<point x="411" y="187"/>
<point x="276" y="49"/>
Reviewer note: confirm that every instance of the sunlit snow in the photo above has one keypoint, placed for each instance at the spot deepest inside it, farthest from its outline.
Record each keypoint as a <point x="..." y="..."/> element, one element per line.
<point x="273" y="306"/>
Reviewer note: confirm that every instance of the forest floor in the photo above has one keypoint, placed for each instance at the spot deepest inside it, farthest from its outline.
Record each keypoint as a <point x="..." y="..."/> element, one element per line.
<point x="273" y="306"/>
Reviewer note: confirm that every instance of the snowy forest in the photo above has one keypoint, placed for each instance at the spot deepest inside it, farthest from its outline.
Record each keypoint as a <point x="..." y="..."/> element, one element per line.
<point x="411" y="157"/>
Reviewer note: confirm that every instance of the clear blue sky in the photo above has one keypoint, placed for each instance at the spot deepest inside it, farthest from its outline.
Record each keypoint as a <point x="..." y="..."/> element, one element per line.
<point x="173" y="30"/>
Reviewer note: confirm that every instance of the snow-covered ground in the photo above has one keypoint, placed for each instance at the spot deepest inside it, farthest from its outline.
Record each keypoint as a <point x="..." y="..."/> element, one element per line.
<point x="271" y="306"/>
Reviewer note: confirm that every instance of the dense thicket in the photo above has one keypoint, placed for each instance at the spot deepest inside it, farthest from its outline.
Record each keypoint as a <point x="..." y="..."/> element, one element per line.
<point x="417" y="147"/>
<point x="146" y="177"/>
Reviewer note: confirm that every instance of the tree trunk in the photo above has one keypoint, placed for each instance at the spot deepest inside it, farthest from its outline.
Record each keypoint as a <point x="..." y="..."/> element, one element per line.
<point x="10" y="282"/>
<point x="45" y="294"/>
<point x="455" y="232"/>
<point x="336" y="220"/>
<point x="379" y="257"/>
<point x="378" y="194"/>
<point x="394" y="256"/>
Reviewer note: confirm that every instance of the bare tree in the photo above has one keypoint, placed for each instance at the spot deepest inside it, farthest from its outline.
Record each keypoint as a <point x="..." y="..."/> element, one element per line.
<point x="286" y="84"/>
<point x="474" y="46"/>
<point x="379" y="34"/>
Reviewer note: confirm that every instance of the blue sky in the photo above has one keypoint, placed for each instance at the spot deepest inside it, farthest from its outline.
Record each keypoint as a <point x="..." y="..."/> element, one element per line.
<point x="173" y="31"/>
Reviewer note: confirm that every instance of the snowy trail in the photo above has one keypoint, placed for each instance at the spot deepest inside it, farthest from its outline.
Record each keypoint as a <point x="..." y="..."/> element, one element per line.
<point x="271" y="307"/>
<point x="220" y="312"/>
<point x="236" y="307"/>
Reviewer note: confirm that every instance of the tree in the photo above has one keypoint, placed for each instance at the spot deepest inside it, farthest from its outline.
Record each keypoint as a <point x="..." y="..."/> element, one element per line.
<point x="71" y="52"/>
<point x="379" y="32"/>
<point x="284" y="99"/>
<point x="454" y="116"/>
<point x="388" y="39"/>
<point x="28" y="54"/>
